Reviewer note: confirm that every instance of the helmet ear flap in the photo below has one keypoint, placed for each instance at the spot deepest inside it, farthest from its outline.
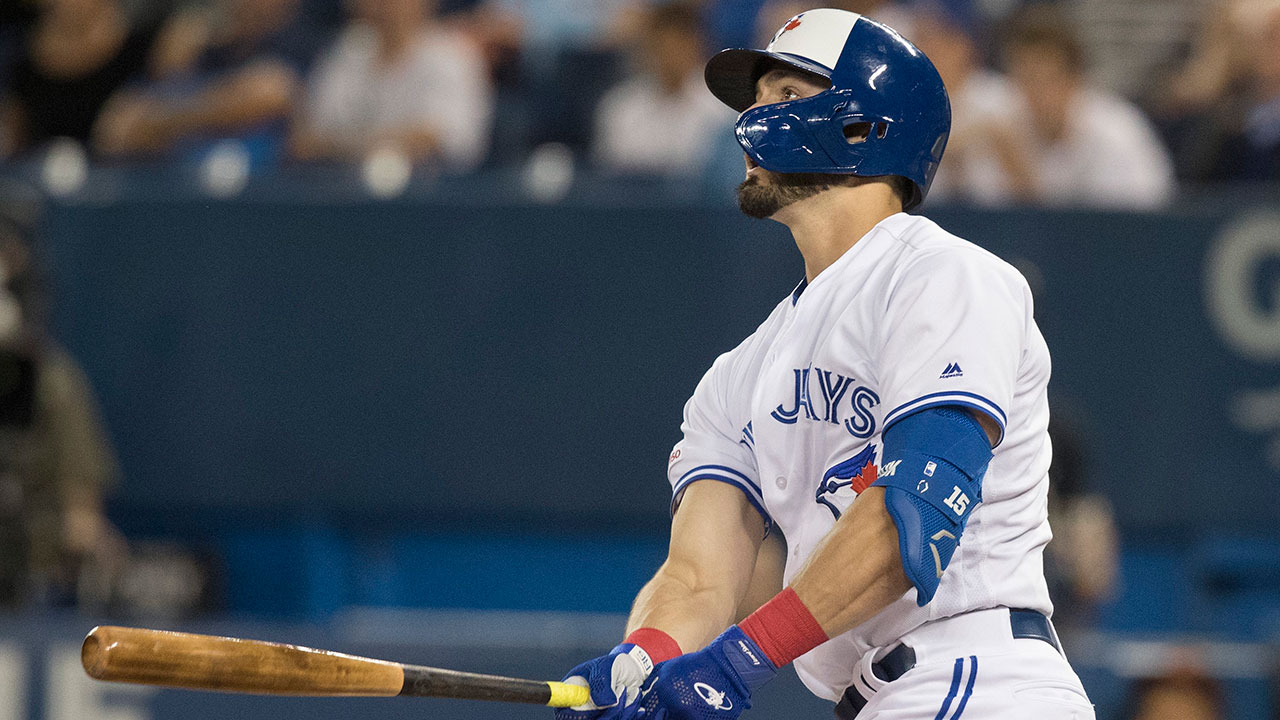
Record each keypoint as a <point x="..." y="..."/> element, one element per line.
<point x="783" y="138"/>
<point x="818" y="134"/>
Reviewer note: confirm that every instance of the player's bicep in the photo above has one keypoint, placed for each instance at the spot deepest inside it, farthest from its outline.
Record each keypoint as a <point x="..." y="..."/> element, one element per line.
<point x="715" y="536"/>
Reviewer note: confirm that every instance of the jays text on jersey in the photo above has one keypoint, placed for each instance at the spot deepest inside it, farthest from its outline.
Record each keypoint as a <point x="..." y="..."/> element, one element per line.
<point x="910" y="317"/>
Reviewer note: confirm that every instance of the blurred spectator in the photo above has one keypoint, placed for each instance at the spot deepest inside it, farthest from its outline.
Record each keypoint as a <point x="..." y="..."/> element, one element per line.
<point x="497" y="32"/>
<point x="70" y="60"/>
<point x="1085" y="146"/>
<point x="1082" y="562"/>
<point x="1222" y="109"/>
<point x="56" y="545"/>
<point x="986" y="158"/>
<point x="568" y="54"/>
<point x="1184" y="694"/>
<point x="732" y="23"/>
<point x="668" y="93"/>
<point x="229" y="72"/>
<point x="396" y="79"/>
<point x="552" y="25"/>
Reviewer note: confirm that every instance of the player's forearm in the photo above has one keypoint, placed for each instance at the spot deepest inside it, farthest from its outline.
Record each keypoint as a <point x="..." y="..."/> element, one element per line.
<point x="715" y="538"/>
<point x="692" y="611"/>
<point x="857" y="571"/>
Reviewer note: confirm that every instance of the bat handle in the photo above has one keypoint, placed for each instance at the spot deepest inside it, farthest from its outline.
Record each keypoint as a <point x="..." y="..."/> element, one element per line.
<point x="564" y="695"/>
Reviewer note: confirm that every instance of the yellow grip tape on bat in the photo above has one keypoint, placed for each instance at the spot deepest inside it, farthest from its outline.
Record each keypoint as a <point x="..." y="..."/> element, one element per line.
<point x="564" y="695"/>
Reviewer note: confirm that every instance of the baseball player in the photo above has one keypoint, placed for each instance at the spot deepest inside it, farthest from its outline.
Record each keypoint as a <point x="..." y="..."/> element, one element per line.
<point x="888" y="421"/>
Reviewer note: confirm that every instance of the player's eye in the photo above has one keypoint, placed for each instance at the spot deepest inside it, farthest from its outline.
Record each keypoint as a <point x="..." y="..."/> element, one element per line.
<point x="790" y="93"/>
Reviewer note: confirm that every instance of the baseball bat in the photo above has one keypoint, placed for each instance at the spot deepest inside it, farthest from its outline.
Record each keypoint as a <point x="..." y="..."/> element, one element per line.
<point x="206" y="662"/>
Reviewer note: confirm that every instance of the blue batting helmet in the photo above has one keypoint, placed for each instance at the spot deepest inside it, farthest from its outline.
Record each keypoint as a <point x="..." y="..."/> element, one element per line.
<point x="886" y="112"/>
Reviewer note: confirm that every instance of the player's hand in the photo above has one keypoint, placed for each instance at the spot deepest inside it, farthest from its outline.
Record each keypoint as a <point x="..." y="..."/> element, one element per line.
<point x="714" y="683"/>
<point x="615" y="681"/>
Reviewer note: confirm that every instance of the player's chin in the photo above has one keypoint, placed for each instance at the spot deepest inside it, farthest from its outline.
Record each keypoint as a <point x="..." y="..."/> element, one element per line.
<point x="757" y="199"/>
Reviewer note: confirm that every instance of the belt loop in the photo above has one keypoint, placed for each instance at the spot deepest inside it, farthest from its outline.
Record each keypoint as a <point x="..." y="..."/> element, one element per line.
<point x="867" y="669"/>
<point x="1035" y="625"/>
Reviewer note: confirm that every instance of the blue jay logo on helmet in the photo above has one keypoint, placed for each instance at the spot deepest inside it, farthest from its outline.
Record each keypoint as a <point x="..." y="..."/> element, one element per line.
<point x="886" y="112"/>
<point x="792" y="24"/>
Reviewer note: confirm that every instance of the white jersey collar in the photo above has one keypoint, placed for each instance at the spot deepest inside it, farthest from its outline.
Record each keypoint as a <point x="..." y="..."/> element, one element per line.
<point x="893" y="225"/>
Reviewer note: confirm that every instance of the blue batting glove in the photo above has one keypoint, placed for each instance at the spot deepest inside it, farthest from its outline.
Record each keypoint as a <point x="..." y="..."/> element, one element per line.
<point x="714" y="683"/>
<point x="615" y="681"/>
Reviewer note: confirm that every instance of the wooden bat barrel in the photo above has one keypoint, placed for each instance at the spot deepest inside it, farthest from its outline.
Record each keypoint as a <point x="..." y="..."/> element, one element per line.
<point x="206" y="662"/>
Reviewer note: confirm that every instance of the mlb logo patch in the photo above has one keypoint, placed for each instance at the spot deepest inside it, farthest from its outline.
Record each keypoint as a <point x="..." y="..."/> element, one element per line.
<point x="930" y="467"/>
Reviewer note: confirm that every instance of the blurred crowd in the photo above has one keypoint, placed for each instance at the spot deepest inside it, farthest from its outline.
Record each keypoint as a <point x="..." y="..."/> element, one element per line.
<point x="57" y="547"/>
<point x="1076" y="102"/>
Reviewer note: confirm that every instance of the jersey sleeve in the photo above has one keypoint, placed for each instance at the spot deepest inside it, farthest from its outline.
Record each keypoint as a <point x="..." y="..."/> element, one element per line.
<point x="716" y="446"/>
<point x="953" y="334"/>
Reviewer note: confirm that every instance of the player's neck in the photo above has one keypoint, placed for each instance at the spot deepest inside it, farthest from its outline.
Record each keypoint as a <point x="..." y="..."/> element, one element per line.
<point x="826" y="225"/>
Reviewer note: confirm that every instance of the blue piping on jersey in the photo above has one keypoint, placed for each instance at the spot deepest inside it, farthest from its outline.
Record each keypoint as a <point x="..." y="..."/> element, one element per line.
<point x="952" y="403"/>
<point x="795" y="294"/>
<point x="722" y="468"/>
<point x="985" y="406"/>
<point x="968" y="688"/>
<point x="756" y="503"/>
<point x="998" y="416"/>
<point x="955" y="688"/>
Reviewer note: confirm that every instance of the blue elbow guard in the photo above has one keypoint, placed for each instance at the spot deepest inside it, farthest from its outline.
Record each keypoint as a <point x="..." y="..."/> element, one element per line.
<point x="931" y="470"/>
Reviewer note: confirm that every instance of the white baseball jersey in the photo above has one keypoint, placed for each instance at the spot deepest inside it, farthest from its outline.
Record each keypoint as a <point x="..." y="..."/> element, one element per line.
<point x="911" y="317"/>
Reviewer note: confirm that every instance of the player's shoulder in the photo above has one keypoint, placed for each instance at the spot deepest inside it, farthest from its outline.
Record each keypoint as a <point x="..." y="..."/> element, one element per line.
<point x="748" y="352"/>
<point x="921" y="246"/>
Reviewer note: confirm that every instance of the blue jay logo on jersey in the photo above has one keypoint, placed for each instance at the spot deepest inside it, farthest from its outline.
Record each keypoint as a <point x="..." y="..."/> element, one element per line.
<point x="838" y="402"/>
<point x="842" y="482"/>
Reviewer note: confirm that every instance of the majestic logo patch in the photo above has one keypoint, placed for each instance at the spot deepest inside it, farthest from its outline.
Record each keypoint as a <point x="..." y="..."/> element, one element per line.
<point x="713" y="697"/>
<point x="952" y="370"/>
<point x="842" y="483"/>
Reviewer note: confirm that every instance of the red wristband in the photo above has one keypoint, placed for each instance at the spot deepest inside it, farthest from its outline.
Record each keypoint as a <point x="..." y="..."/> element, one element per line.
<point x="784" y="628"/>
<point x="658" y="644"/>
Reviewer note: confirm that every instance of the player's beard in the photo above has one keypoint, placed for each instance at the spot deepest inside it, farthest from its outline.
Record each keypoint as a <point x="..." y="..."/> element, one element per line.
<point x="760" y="199"/>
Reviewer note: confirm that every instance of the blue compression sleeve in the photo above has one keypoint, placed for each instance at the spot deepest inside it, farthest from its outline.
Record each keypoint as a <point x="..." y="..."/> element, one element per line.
<point x="932" y="468"/>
